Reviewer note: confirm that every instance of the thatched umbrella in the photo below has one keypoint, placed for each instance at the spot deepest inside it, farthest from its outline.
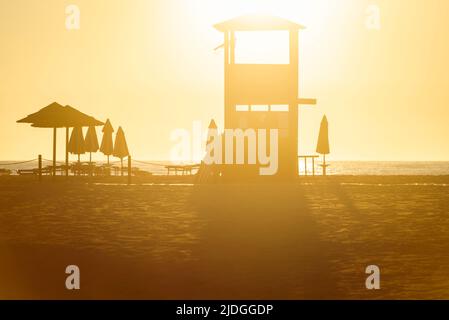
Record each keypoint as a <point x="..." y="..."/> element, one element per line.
<point x="107" y="146"/>
<point x="120" y="147"/>
<point x="52" y="116"/>
<point x="323" y="142"/>
<point x="91" y="141"/>
<point x="56" y="116"/>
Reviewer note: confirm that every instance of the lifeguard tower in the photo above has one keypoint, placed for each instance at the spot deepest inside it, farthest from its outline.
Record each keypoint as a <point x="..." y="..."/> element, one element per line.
<point x="263" y="96"/>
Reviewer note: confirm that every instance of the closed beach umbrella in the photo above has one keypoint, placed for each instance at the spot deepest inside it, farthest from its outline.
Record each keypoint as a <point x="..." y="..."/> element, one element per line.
<point x="323" y="142"/>
<point x="76" y="143"/>
<point x="77" y="119"/>
<point x="107" y="146"/>
<point x="212" y="125"/>
<point x="207" y="170"/>
<point x="211" y="133"/>
<point x="91" y="141"/>
<point x="120" y="146"/>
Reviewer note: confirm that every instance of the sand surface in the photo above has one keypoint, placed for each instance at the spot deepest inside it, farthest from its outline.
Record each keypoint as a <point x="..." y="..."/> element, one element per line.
<point x="307" y="240"/>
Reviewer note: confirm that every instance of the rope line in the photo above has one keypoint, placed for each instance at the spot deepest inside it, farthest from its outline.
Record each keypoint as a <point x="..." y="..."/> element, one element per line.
<point x="59" y="162"/>
<point x="14" y="163"/>
<point x="149" y="163"/>
<point x="63" y="162"/>
<point x="159" y="164"/>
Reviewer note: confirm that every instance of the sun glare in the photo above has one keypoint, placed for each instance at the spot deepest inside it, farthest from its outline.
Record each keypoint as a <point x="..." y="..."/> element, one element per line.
<point x="262" y="47"/>
<point x="314" y="15"/>
<point x="308" y="13"/>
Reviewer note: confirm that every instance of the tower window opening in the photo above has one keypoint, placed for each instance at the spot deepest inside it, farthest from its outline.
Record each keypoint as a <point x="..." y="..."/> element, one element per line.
<point x="262" y="47"/>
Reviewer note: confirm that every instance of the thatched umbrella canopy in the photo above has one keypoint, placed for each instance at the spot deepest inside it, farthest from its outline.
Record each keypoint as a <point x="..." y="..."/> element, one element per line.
<point x="56" y="116"/>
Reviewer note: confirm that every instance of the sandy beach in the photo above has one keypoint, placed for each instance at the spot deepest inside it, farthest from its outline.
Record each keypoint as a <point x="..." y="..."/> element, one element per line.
<point x="310" y="239"/>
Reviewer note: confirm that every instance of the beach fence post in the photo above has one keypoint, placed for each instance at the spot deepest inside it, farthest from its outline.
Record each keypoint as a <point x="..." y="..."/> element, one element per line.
<point x="313" y="166"/>
<point x="66" y="152"/>
<point x="305" y="166"/>
<point x="129" y="170"/>
<point x="54" y="153"/>
<point x="40" y="167"/>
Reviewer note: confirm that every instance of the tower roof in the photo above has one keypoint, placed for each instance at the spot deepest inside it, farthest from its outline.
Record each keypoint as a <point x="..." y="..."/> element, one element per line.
<point x="257" y="23"/>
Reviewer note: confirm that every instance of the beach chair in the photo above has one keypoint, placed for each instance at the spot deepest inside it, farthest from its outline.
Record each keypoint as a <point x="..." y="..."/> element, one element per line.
<point x="141" y="173"/>
<point x="5" y="172"/>
<point x="183" y="169"/>
<point x="26" y="172"/>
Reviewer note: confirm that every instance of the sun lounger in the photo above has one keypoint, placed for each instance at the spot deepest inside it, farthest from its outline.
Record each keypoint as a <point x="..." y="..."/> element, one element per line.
<point x="5" y="172"/>
<point x="184" y="169"/>
<point x="27" y="172"/>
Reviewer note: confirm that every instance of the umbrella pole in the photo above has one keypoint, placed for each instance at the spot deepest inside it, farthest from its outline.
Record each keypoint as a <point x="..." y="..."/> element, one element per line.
<point x="67" y="151"/>
<point x="54" y="152"/>
<point x="324" y="164"/>
<point x="108" y="159"/>
<point x="121" y="173"/>
<point x="90" y="164"/>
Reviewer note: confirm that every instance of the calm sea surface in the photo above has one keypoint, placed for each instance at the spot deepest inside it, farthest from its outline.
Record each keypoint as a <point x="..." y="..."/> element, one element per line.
<point x="335" y="168"/>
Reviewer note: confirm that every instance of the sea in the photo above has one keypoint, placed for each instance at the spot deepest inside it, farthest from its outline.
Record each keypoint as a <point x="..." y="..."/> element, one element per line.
<point x="380" y="168"/>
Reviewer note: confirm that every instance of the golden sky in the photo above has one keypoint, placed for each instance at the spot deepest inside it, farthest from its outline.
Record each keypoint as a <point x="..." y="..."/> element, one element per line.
<point x="149" y="66"/>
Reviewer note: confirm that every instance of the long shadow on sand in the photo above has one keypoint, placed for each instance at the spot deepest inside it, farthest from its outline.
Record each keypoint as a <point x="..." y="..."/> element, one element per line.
<point x="261" y="241"/>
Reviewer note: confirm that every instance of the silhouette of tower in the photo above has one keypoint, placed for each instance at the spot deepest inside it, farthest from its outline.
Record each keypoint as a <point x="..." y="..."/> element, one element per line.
<point x="274" y="87"/>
